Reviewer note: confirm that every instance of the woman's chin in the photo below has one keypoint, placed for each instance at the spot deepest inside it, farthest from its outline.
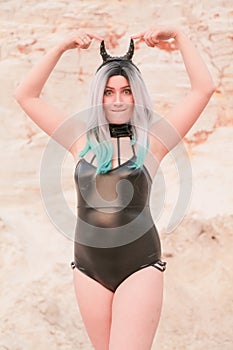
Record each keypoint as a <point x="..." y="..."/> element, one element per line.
<point x="118" y="119"/>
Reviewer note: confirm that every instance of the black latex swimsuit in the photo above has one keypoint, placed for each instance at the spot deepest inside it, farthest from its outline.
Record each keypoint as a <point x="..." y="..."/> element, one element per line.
<point x="115" y="235"/>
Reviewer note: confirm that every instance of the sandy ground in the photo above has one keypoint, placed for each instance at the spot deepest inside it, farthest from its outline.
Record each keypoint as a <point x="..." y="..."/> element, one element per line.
<point x="38" y="306"/>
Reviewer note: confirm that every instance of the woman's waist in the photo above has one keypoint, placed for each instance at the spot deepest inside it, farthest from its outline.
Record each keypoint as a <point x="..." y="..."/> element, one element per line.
<point x="113" y="217"/>
<point x="108" y="213"/>
<point x="113" y="208"/>
<point x="100" y="229"/>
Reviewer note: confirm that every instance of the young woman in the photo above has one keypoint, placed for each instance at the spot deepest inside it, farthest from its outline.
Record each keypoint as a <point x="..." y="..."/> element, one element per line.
<point x="118" y="274"/>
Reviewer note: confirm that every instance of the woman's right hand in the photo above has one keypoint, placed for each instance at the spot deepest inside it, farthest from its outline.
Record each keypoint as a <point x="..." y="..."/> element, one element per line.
<point x="81" y="40"/>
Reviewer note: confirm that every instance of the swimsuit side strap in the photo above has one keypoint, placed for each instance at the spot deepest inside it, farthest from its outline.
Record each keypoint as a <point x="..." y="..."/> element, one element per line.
<point x="118" y="151"/>
<point x="92" y="159"/>
<point x="133" y="150"/>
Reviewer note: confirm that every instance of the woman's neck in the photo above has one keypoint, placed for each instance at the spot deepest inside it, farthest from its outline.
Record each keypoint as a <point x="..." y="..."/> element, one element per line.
<point x="120" y="130"/>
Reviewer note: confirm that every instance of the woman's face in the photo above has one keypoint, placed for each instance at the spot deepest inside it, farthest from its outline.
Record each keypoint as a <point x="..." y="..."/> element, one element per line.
<point x="118" y="100"/>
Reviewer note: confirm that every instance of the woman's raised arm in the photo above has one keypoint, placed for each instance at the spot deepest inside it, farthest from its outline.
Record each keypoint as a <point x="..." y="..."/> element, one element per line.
<point x="27" y="94"/>
<point x="180" y="118"/>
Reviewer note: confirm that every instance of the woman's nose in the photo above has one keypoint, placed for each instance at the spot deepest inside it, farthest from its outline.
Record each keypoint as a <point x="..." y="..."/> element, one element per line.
<point x="118" y="98"/>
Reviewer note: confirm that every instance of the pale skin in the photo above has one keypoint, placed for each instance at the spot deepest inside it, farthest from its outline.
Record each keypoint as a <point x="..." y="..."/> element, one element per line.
<point x="128" y="318"/>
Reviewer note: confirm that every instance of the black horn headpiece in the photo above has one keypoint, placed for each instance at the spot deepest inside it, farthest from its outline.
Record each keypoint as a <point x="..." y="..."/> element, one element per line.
<point x="123" y="60"/>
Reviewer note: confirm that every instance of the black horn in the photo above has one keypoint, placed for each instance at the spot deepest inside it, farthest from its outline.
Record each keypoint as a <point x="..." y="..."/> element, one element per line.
<point x="103" y="52"/>
<point x="128" y="56"/>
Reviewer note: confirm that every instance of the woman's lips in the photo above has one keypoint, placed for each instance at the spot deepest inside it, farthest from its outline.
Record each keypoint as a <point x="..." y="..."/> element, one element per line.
<point x="118" y="110"/>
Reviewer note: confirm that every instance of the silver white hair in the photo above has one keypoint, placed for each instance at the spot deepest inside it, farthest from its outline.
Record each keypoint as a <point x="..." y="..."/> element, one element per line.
<point x="98" y="126"/>
<point x="142" y="115"/>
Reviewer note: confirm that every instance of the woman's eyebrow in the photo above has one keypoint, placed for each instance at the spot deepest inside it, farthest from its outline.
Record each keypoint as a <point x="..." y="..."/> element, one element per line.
<point x="123" y="87"/>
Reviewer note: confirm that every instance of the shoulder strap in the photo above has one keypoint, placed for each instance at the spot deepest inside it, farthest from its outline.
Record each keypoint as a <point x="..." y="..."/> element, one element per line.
<point x="92" y="159"/>
<point x="118" y="152"/>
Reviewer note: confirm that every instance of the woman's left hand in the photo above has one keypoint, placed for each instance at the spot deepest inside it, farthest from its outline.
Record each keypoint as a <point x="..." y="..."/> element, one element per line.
<point x="156" y="34"/>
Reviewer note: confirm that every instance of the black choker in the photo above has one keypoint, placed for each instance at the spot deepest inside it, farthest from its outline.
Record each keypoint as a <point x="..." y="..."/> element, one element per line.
<point x="121" y="130"/>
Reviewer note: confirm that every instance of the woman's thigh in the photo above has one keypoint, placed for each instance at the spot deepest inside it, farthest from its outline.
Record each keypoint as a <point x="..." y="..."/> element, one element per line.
<point x="136" y="310"/>
<point x="95" y="305"/>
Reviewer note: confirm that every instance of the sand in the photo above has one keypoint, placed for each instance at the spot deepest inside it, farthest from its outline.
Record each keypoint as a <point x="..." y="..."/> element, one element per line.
<point x="38" y="306"/>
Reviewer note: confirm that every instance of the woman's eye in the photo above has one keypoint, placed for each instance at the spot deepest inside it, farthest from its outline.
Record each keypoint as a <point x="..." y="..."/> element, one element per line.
<point x="107" y="92"/>
<point x="127" y="92"/>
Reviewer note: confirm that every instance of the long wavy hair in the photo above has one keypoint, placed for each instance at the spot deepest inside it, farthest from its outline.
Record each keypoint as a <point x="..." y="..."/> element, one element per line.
<point x="98" y="135"/>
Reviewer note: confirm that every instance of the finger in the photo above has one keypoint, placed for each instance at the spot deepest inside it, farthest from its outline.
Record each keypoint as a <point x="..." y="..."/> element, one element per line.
<point x="79" y="42"/>
<point x="147" y="38"/>
<point x="152" y="42"/>
<point x="85" y="46"/>
<point x="137" y="36"/>
<point x="94" y="36"/>
<point x="86" y="39"/>
<point x="151" y="39"/>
